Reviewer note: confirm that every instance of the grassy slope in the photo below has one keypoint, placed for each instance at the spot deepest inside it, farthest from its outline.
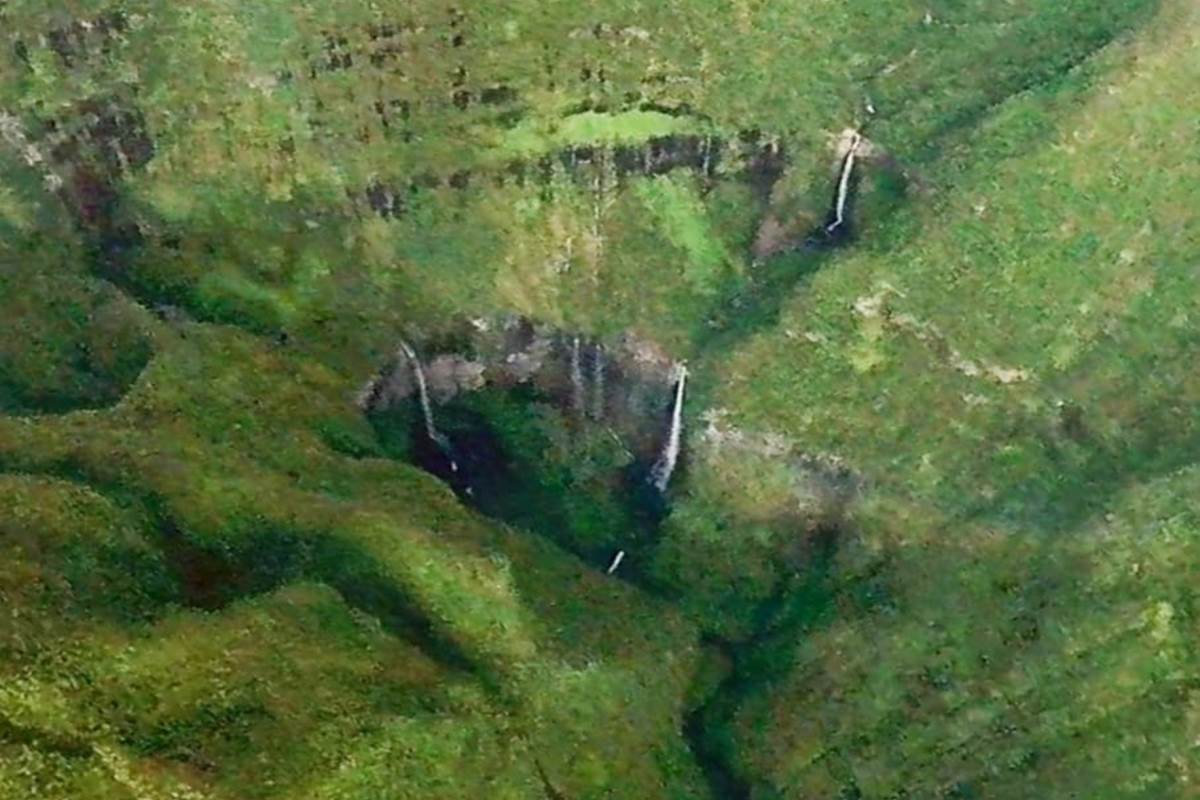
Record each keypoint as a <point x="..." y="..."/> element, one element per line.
<point x="1014" y="637"/>
<point x="242" y="497"/>
<point x="994" y="662"/>
<point x="1044" y="276"/>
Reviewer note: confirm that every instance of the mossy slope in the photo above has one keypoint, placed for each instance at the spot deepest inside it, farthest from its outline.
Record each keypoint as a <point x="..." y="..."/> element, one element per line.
<point x="1009" y="369"/>
<point x="219" y="588"/>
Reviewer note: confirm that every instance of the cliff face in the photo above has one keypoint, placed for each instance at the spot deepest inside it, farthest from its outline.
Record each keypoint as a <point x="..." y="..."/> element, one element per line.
<point x="901" y="553"/>
<point x="626" y="383"/>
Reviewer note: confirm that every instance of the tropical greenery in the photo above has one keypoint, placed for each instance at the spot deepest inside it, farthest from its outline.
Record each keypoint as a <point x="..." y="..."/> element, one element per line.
<point x="935" y="532"/>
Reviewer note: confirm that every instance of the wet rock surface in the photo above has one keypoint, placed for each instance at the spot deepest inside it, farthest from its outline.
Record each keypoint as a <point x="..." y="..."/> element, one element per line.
<point x="550" y="431"/>
<point x="625" y="382"/>
<point x="781" y="231"/>
<point x="750" y="156"/>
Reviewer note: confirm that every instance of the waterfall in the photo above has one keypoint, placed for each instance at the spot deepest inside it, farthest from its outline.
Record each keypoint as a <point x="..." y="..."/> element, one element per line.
<point x="435" y="436"/>
<point x="616" y="562"/>
<point x="661" y="474"/>
<point x="423" y="393"/>
<point x="598" y="382"/>
<point x="839" y="213"/>
<point x="576" y="379"/>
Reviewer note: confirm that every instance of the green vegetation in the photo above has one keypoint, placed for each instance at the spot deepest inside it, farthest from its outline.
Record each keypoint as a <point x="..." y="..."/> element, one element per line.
<point x="933" y="535"/>
<point x="73" y="342"/>
<point x="1010" y="365"/>
<point x="1016" y="308"/>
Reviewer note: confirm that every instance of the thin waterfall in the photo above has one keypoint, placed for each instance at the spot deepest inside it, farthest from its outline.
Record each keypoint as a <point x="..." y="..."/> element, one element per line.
<point x="423" y="393"/>
<point x="576" y="378"/>
<point x="839" y="213"/>
<point x="661" y="474"/>
<point x="598" y="382"/>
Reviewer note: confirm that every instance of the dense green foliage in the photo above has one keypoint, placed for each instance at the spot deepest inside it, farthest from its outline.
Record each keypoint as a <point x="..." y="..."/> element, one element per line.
<point x="934" y="535"/>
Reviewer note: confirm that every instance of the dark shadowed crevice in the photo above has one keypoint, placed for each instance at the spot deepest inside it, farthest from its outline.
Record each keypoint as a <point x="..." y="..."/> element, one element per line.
<point x="486" y="461"/>
<point x="756" y="305"/>
<point x="90" y="387"/>
<point x="339" y="563"/>
<point x="1054" y="66"/>
<point x="482" y="460"/>
<point x="76" y="343"/>
<point x="211" y="577"/>
<point x="545" y="430"/>
<point x="551" y="792"/>
<point x="266" y="560"/>
<point x="801" y="602"/>
<point x="723" y="782"/>
<point x="490" y="476"/>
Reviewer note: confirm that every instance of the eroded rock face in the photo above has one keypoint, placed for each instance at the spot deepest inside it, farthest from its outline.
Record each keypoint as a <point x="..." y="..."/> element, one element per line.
<point x="626" y="382"/>
<point x="821" y="486"/>
<point x="781" y="231"/>
<point x="750" y="155"/>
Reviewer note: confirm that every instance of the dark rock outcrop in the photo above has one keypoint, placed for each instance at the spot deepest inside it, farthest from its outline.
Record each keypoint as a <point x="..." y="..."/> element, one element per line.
<point x="625" y="382"/>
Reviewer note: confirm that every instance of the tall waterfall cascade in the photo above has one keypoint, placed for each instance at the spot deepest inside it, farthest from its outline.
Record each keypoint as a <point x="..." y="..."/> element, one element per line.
<point x="660" y="475"/>
<point x="431" y="430"/>
<point x="843" y="193"/>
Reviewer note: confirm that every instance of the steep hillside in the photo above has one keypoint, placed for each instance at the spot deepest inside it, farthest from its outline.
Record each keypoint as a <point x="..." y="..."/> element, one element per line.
<point x="344" y="363"/>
